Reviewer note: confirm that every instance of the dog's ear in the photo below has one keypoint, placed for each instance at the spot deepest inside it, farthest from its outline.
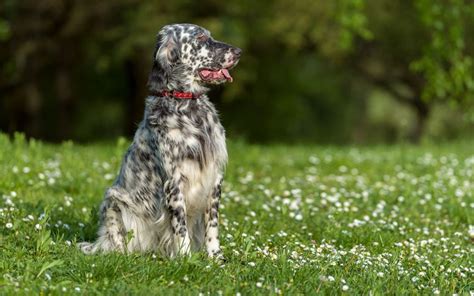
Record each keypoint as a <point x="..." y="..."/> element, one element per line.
<point x="166" y="54"/>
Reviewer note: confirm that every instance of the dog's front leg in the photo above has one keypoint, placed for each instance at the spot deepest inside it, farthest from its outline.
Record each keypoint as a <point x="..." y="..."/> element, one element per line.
<point x="212" y="223"/>
<point x="177" y="210"/>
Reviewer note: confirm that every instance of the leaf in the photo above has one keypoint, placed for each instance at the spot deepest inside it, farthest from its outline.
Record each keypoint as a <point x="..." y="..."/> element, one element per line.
<point x="44" y="241"/>
<point x="49" y="265"/>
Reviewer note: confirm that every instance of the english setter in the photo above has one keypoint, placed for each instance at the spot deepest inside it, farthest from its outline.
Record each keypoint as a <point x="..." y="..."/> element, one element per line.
<point x="166" y="196"/>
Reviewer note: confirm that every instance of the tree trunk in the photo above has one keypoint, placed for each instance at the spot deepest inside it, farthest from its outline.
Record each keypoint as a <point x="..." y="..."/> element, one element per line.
<point x="32" y="111"/>
<point x="422" y="112"/>
<point x="66" y="100"/>
<point x="136" y="70"/>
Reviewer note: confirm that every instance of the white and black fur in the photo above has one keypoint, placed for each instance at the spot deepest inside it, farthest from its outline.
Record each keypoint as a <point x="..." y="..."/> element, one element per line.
<point x="166" y="196"/>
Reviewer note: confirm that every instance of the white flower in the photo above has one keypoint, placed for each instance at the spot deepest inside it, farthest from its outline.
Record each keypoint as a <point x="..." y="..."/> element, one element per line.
<point x="380" y="274"/>
<point x="9" y="225"/>
<point x="331" y="278"/>
<point x="345" y="288"/>
<point x="252" y="264"/>
<point x="471" y="231"/>
<point x="38" y="227"/>
<point x="259" y="284"/>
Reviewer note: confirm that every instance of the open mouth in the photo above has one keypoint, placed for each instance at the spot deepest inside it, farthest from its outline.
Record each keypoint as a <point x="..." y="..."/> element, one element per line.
<point x="215" y="74"/>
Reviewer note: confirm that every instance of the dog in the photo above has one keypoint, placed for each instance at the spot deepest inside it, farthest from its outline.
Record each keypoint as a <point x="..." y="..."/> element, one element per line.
<point x="167" y="193"/>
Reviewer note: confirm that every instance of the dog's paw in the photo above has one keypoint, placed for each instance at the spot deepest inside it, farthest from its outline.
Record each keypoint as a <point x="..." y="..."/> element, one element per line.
<point x="217" y="256"/>
<point x="184" y="246"/>
<point x="86" y="248"/>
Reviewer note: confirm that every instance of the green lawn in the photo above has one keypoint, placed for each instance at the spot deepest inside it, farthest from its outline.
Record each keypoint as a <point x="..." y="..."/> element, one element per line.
<point x="302" y="219"/>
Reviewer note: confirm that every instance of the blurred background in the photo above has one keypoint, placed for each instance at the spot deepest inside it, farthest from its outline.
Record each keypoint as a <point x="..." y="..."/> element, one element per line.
<point x="329" y="72"/>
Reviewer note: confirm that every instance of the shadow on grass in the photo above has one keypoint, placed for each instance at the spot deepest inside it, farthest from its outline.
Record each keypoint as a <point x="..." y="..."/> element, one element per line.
<point x="65" y="223"/>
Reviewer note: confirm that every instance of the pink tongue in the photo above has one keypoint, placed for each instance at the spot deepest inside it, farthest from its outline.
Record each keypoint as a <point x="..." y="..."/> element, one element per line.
<point x="226" y="74"/>
<point x="219" y="74"/>
<point x="206" y="73"/>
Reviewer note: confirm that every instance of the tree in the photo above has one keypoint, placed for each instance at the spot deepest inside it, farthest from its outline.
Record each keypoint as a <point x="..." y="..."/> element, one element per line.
<point x="415" y="51"/>
<point x="41" y="48"/>
<point x="307" y="69"/>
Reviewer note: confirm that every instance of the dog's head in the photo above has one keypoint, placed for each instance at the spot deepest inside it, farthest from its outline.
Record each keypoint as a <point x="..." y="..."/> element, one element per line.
<point x="187" y="58"/>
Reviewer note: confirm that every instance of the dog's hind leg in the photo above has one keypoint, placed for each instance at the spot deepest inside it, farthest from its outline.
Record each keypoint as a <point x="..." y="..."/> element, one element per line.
<point x="112" y="232"/>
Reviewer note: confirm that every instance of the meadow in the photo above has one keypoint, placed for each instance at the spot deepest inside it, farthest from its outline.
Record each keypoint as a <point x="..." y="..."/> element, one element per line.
<point x="372" y="220"/>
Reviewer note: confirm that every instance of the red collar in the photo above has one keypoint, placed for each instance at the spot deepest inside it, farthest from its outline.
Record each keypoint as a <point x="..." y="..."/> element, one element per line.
<point x="177" y="94"/>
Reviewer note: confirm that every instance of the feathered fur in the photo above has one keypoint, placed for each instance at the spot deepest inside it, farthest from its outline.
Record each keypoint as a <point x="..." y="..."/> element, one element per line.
<point x="166" y="196"/>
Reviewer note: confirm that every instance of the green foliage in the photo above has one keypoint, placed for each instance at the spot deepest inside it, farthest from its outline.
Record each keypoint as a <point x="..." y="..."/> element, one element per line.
<point x="333" y="25"/>
<point x="353" y="20"/>
<point x="294" y="220"/>
<point x="307" y="74"/>
<point x="4" y="30"/>
<point x="446" y="65"/>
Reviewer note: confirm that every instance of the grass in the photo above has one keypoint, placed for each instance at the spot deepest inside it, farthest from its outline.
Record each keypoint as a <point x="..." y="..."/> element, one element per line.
<point x="327" y="220"/>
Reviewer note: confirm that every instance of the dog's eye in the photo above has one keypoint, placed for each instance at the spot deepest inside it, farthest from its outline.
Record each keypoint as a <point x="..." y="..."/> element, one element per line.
<point x="202" y="37"/>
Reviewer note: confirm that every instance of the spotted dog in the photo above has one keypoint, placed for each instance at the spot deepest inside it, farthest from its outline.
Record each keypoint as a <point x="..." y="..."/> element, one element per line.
<point x="166" y="196"/>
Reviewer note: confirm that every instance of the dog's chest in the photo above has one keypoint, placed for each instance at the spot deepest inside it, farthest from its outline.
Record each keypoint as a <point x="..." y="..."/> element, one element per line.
<point x="198" y="185"/>
<point x="198" y="137"/>
<point x="199" y="155"/>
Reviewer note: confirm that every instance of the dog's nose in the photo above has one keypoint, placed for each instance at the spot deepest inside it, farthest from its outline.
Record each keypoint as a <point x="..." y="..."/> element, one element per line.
<point x="236" y="51"/>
